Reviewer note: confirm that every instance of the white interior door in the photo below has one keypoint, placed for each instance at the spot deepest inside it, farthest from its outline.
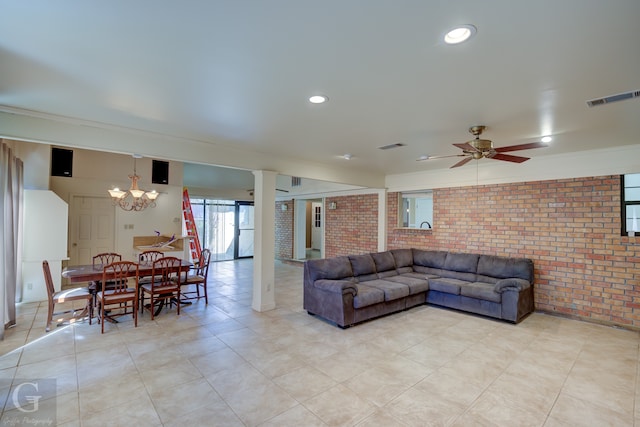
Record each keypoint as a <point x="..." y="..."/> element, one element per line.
<point x="91" y="228"/>
<point x="317" y="225"/>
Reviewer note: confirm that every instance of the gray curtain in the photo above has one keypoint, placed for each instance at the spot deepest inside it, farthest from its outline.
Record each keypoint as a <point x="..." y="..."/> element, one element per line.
<point x="12" y="199"/>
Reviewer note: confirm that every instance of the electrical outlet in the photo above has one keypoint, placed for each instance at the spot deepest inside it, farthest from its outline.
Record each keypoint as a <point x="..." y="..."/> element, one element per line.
<point x="29" y="286"/>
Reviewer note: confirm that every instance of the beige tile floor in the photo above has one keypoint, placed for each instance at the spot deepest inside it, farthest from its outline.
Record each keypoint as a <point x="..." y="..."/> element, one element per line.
<point x="226" y="365"/>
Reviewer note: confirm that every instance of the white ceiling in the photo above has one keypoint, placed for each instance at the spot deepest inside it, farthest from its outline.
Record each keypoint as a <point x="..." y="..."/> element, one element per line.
<point x="238" y="73"/>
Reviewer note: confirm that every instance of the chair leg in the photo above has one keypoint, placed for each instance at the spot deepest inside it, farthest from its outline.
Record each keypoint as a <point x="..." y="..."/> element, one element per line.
<point x="134" y="303"/>
<point x="47" y="327"/>
<point x="206" y="298"/>
<point x="102" y="315"/>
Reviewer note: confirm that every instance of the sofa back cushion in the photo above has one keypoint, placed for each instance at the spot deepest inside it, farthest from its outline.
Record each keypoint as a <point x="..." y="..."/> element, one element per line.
<point x="403" y="259"/>
<point x="461" y="266"/>
<point x="329" y="268"/>
<point x="427" y="258"/>
<point x="429" y="262"/>
<point x="385" y="264"/>
<point x="493" y="268"/>
<point x="363" y="266"/>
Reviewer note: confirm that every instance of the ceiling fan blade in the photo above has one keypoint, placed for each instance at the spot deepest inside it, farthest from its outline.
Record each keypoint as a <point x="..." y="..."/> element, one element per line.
<point x="461" y="162"/>
<point x="422" y="159"/>
<point x="466" y="147"/>
<point x="521" y="147"/>
<point x="509" y="158"/>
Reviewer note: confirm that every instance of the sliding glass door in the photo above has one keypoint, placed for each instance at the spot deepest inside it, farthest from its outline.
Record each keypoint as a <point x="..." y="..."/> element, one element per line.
<point x="245" y="229"/>
<point x="225" y="227"/>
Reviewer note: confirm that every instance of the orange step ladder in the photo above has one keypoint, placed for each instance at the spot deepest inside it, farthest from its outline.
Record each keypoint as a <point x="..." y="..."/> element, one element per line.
<point x="192" y="231"/>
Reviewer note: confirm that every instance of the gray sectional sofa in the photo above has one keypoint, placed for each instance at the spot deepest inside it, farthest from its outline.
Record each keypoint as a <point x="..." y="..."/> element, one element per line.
<point x="350" y="289"/>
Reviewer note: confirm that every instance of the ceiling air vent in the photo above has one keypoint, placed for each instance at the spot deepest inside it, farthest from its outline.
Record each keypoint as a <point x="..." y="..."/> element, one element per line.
<point x="614" y="98"/>
<point x="296" y="181"/>
<point x="390" y="146"/>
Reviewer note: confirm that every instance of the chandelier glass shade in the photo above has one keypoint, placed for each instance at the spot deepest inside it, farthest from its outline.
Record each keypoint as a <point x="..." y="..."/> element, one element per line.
<point x="134" y="199"/>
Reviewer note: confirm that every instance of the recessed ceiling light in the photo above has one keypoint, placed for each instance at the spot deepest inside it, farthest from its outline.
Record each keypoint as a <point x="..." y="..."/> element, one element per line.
<point x="347" y="156"/>
<point x="459" y="34"/>
<point x="318" y="99"/>
<point x="546" y="139"/>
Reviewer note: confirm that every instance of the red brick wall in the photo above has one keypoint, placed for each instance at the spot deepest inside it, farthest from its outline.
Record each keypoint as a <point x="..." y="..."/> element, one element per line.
<point x="284" y="230"/>
<point x="351" y="228"/>
<point x="570" y="228"/>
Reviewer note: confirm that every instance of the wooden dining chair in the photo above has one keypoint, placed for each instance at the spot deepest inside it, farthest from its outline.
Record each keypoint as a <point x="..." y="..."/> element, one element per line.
<point x="123" y="289"/>
<point x="197" y="277"/>
<point x="65" y="296"/>
<point x="99" y="261"/>
<point x="164" y="285"/>
<point x="148" y="257"/>
<point x="106" y="258"/>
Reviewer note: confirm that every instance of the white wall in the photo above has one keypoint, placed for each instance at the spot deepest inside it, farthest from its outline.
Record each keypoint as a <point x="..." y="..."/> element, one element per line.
<point x="45" y="238"/>
<point x="36" y="159"/>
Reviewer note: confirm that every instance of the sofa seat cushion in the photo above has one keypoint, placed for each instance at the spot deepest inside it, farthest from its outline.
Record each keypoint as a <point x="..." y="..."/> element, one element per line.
<point x="481" y="290"/>
<point x="435" y="272"/>
<point x="420" y="275"/>
<point x="446" y="285"/>
<point x="392" y="290"/>
<point x="416" y="285"/>
<point x="367" y="295"/>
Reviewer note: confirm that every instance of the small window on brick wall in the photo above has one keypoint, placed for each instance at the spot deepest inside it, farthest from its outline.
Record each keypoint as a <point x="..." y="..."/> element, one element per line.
<point x="415" y="209"/>
<point x="631" y="204"/>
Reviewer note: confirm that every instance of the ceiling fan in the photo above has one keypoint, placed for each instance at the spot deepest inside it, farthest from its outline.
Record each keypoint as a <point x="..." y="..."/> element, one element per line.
<point x="478" y="148"/>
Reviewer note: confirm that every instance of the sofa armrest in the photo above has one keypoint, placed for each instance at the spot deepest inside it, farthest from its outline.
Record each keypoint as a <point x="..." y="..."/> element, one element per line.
<point x="336" y="286"/>
<point x="511" y="284"/>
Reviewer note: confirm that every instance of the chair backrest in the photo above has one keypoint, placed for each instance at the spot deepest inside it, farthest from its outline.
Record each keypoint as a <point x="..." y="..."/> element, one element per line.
<point x="165" y="269"/>
<point x="106" y="258"/>
<point x="203" y="263"/>
<point x="147" y="257"/>
<point x="48" y="280"/>
<point x="119" y="274"/>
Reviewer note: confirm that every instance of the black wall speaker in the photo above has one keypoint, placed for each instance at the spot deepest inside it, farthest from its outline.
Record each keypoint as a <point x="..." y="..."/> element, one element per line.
<point x="160" y="172"/>
<point x="61" y="162"/>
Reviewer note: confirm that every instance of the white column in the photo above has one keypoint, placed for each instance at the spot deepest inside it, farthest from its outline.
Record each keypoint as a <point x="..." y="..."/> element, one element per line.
<point x="382" y="220"/>
<point x="264" y="240"/>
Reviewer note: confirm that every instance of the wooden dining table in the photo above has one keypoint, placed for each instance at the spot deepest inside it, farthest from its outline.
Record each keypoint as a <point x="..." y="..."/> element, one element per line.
<point x="93" y="273"/>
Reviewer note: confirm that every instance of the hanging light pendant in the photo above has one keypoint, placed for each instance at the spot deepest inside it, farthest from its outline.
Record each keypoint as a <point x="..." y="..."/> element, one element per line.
<point x="134" y="199"/>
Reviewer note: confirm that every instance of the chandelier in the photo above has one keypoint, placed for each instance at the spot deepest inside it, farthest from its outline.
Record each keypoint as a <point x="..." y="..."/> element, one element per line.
<point x="134" y="199"/>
